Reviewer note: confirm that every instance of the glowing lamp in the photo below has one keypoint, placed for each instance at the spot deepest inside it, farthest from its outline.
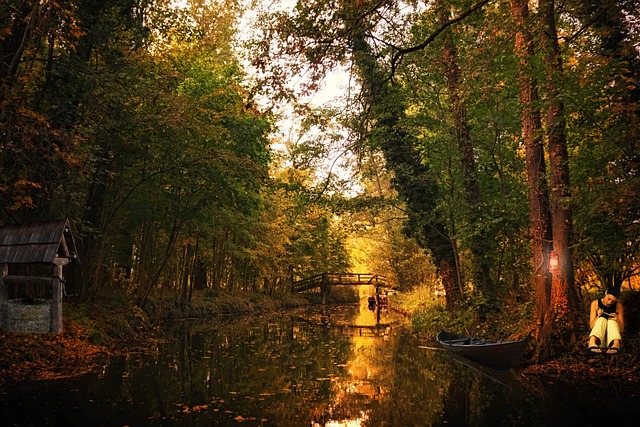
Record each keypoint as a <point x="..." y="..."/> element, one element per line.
<point x="553" y="261"/>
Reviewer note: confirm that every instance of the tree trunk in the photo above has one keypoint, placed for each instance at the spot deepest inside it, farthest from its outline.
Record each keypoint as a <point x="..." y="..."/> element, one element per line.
<point x="14" y="42"/>
<point x="563" y="309"/>
<point x="151" y="281"/>
<point x="479" y="241"/>
<point x="413" y="180"/>
<point x="452" y="293"/>
<point x="539" y="215"/>
<point x="184" y="275"/>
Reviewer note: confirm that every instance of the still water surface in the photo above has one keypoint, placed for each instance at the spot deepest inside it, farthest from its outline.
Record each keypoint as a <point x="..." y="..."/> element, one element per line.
<point x="336" y="366"/>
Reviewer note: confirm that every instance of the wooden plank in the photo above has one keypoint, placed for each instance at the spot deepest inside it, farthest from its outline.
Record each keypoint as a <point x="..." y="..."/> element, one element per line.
<point x="36" y="243"/>
<point x="27" y="279"/>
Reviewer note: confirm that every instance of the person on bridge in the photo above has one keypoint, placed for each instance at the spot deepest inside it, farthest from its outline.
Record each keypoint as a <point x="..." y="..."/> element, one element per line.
<point x="606" y="321"/>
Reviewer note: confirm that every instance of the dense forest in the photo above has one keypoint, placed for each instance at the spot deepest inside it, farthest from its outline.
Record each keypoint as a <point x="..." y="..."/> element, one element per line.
<point x="471" y="141"/>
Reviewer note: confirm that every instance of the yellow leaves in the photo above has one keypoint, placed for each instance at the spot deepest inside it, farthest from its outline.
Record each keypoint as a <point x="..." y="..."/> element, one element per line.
<point x="190" y="409"/>
<point x="19" y="194"/>
<point x="26" y="184"/>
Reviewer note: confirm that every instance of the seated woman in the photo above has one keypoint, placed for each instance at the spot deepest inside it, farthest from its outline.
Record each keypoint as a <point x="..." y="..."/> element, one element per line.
<point x="607" y="323"/>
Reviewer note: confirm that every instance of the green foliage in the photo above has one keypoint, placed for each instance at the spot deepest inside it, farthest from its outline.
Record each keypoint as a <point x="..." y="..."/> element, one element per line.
<point x="600" y="93"/>
<point x="429" y="316"/>
<point x="429" y="321"/>
<point x="603" y="123"/>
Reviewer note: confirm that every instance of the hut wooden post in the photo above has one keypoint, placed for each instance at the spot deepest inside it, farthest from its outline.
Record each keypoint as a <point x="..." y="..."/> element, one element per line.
<point x="56" y="304"/>
<point x="4" y="291"/>
<point x="325" y="287"/>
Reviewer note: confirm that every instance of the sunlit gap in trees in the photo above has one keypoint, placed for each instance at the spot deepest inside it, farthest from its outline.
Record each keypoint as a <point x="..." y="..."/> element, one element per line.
<point x="293" y="131"/>
<point x="328" y="136"/>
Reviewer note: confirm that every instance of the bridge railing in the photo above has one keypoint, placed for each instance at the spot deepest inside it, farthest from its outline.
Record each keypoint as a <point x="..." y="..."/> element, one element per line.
<point x="355" y="279"/>
<point x="308" y="283"/>
<point x="324" y="279"/>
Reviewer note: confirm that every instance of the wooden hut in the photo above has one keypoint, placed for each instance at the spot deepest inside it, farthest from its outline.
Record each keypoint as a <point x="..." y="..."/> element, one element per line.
<point x="49" y="243"/>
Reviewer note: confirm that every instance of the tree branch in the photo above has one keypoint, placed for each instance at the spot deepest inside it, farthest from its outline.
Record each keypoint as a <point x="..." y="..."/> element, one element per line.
<point x="403" y="51"/>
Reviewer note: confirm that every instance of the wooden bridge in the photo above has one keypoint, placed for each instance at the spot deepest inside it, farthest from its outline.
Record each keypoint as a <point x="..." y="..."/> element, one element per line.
<point x="324" y="282"/>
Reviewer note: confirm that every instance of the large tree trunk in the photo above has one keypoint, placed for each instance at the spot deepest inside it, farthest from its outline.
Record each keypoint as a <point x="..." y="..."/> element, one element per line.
<point x="541" y="233"/>
<point x="478" y="243"/>
<point x="562" y="312"/>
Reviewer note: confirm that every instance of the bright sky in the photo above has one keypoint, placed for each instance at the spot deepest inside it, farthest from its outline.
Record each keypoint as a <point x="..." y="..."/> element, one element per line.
<point x="332" y="92"/>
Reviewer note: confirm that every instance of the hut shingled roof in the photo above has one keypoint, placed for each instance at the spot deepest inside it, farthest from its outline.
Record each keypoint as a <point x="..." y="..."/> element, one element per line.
<point x="39" y="243"/>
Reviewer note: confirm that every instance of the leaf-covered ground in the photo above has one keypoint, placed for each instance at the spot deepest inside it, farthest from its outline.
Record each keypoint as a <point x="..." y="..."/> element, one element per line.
<point x="581" y="367"/>
<point x="585" y="368"/>
<point x="48" y="356"/>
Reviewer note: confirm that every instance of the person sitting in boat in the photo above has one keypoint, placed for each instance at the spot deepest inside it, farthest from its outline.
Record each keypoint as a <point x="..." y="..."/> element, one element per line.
<point x="606" y="322"/>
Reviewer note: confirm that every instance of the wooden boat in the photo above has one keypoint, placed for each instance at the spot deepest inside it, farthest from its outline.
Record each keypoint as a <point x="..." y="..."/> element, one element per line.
<point x="497" y="354"/>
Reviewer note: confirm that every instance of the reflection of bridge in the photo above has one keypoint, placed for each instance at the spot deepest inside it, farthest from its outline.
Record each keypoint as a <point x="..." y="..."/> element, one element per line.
<point x="324" y="282"/>
<point x="347" y="330"/>
<point x="379" y="330"/>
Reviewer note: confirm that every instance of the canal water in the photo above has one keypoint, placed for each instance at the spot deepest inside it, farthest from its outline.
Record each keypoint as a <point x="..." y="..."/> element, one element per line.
<point x="336" y="366"/>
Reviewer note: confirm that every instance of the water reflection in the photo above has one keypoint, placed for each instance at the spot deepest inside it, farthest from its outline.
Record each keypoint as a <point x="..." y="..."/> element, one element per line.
<point x="339" y="366"/>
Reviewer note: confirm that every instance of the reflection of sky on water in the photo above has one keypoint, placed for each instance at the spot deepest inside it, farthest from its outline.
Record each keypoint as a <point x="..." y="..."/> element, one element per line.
<point x="363" y="367"/>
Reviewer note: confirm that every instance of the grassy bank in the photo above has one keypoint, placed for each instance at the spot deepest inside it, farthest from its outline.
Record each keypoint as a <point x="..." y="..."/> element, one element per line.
<point x="114" y="325"/>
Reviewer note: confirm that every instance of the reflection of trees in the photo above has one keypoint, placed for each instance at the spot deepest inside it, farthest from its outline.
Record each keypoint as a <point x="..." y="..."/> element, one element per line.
<point x="276" y="368"/>
<point x="415" y="381"/>
<point x="289" y="372"/>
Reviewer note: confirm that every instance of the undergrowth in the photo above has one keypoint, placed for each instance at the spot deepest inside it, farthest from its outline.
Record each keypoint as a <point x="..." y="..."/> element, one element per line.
<point x="474" y="317"/>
